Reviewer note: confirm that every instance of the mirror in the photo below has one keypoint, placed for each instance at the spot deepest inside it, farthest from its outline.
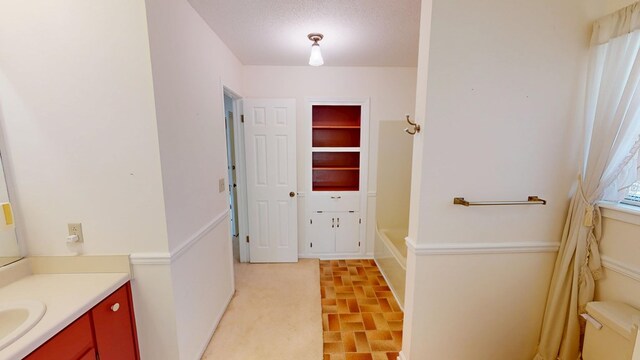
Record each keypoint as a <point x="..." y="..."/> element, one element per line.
<point x="9" y="249"/>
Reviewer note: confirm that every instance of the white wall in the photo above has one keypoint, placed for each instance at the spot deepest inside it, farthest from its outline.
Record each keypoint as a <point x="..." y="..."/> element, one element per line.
<point x="498" y="97"/>
<point x="392" y="94"/>
<point x="78" y="114"/>
<point x="190" y="65"/>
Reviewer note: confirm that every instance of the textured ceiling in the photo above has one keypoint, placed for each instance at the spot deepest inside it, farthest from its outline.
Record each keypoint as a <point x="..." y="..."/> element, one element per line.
<point x="357" y="32"/>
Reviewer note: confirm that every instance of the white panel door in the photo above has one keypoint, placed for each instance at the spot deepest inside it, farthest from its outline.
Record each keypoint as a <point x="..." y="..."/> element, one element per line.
<point x="270" y="148"/>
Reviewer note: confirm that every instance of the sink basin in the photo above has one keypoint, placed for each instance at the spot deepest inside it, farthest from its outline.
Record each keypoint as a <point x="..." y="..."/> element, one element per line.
<point x="18" y="317"/>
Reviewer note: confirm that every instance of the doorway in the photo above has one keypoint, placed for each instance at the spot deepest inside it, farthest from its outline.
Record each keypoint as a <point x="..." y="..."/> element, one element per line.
<point x="236" y="174"/>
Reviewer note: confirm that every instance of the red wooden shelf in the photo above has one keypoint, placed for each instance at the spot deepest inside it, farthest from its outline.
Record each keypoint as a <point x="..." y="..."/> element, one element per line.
<point x="336" y="127"/>
<point x="335" y="188"/>
<point x="336" y="168"/>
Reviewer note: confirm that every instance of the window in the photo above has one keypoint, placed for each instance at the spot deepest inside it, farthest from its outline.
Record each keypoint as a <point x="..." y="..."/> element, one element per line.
<point x="633" y="198"/>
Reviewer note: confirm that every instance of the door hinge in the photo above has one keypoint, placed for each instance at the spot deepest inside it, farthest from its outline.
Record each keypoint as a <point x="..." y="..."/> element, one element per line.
<point x="241" y="118"/>
<point x="247" y="238"/>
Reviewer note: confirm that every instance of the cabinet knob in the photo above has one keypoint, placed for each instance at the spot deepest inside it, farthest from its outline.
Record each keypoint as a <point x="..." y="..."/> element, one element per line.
<point x="115" y="307"/>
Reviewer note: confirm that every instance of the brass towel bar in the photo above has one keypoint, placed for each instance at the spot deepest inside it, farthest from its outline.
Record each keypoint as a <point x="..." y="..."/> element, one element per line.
<point x="531" y="200"/>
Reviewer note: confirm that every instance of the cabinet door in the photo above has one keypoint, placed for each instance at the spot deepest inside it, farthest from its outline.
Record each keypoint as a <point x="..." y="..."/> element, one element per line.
<point x="114" y="328"/>
<point x="322" y="233"/>
<point x="72" y="343"/>
<point x="347" y="232"/>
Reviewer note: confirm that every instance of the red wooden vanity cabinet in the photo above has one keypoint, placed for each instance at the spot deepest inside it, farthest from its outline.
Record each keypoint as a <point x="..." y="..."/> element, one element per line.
<point x="107" y="332"/>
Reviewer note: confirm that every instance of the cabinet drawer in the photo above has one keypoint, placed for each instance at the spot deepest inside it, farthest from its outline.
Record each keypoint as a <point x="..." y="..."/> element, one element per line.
<point x="335" y="202"/>
<point x="71" y="343"/>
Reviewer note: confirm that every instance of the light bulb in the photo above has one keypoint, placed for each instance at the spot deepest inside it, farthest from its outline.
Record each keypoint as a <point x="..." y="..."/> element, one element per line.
<point x="316" y="57"/>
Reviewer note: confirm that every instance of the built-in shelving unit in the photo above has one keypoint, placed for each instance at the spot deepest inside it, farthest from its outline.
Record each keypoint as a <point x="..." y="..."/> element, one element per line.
<point x="337" y="170"/>
<point x="335" y="127"/>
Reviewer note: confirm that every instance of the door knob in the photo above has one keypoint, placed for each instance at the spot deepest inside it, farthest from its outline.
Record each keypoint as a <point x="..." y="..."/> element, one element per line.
<point x="292" y="194"/>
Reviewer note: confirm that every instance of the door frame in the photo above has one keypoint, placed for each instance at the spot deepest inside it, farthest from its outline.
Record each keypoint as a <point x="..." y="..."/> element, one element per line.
<point x="241" y="170"/>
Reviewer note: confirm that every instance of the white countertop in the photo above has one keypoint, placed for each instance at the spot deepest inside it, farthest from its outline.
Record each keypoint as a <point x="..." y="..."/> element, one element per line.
<point x="67" y="297"/>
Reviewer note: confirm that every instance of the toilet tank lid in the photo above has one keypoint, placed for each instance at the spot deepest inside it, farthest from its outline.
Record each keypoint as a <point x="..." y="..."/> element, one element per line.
<point x="620" y="317"/>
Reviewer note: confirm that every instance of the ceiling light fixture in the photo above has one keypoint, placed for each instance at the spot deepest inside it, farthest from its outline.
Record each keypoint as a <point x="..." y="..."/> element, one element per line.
<point x="316" y="57"/>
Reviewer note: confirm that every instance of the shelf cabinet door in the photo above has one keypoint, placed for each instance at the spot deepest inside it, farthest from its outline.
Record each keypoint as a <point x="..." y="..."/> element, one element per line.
<point x="114" y="328"/>
<point x="322" y="237"/>
<point x="348" y="232"/>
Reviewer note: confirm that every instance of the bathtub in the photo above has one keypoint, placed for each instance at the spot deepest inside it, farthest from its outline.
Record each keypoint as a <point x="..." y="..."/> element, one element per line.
<point x="390" y="253"/>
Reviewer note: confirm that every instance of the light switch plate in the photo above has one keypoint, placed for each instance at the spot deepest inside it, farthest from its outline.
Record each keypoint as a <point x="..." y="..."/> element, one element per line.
<point x="221" y="186"/>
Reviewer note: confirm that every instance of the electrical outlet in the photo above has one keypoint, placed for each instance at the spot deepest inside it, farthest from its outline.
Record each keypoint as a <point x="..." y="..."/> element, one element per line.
<point x="76" y="229"/>
<point x="221" y="186"/>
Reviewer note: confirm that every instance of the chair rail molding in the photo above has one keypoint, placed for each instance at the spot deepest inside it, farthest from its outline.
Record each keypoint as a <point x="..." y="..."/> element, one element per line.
<point x="472" y="248"/>
<point x="620" y="268"/>
<point x="165" y="258"/>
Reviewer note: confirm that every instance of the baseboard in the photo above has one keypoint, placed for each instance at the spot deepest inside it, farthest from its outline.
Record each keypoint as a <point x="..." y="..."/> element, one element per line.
<point x="393" y="291"/>
<point x="343" y="257"/>
<point x="335" y="257"/>
<point x="401" y="356"/>
<point x="214" y="326"/>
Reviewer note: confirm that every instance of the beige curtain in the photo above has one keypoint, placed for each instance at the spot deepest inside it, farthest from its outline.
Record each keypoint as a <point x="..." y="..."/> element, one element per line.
<point x="612" y="127"/>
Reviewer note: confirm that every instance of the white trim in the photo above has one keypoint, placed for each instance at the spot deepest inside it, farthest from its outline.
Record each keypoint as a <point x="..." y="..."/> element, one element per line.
<point x="480" y="248"/>
<point x="620" y="268"/>
<point x="401" y="356"/>
<point x="182" y="248"/>
<point x="160" y="258"/>
<point x="166" y="258"/>
<point x="335" y="256"/>
<point x="372" y="194"/>
<point x="342" y="256"/>
<point x="214" y="326"/>
<point x="621" y="212"/>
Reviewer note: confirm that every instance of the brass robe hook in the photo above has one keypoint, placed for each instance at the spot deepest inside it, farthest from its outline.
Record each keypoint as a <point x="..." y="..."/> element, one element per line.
<point x="416" y="127"/>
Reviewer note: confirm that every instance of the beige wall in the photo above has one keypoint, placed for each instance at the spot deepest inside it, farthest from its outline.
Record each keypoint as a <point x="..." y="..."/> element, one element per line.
<point x="190" y="65"/>
<point x="77" y="106"/>
<point x="620" y="253"/>
<point x="498" y="96"/>
<point x="394" y="175"/>
<point x="392" y="94"/>
<point x="94" y="138"/>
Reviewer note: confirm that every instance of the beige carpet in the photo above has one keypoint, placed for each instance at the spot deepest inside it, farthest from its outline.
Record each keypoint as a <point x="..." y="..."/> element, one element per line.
<point x="275" y="314"/>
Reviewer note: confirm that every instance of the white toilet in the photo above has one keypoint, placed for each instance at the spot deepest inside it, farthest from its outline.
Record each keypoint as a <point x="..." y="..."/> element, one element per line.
<point x="611" y="331"/>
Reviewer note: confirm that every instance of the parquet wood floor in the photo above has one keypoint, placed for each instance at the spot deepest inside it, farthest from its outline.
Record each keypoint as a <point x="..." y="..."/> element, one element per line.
<point x="361" y="319"/>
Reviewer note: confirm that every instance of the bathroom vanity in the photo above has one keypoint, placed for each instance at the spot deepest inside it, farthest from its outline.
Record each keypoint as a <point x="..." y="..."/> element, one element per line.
<point x="88" y="316"/>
